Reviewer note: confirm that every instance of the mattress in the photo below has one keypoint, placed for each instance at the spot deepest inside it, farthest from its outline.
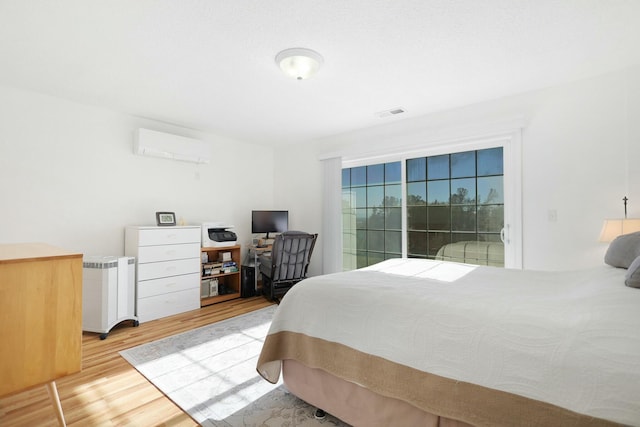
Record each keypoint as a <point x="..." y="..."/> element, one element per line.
<point x="536" y="345"/>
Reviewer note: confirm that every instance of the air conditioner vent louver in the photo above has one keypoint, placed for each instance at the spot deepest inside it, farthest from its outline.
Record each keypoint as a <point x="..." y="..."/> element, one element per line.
<point x="168" y="146"/>
<point x="390" y="112"/>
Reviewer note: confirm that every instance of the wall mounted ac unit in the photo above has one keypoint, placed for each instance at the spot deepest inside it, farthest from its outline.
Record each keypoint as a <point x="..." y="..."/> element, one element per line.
<point x="159" y="144"/>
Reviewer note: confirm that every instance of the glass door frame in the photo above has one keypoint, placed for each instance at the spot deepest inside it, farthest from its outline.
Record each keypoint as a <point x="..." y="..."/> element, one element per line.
<point x="511" y="143"/>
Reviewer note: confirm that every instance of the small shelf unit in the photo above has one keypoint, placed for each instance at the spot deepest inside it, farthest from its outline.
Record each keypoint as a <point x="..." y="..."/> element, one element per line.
<point x="228" y="284"/>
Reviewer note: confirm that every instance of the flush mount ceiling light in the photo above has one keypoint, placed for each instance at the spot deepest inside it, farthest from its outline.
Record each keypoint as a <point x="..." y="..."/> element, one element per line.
<point x="299" y="63"/>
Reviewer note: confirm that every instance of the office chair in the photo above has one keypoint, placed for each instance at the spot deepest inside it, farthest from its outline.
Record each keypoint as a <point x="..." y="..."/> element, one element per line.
<point x="288" y="263"/>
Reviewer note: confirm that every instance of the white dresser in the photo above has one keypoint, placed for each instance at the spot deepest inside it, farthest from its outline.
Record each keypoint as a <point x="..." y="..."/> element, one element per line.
<point x="167" y="269"/>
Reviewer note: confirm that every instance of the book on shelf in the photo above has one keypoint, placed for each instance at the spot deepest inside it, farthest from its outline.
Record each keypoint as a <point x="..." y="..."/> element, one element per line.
<point x="213" y="287"/>
<point x="214" y="264"/>
<point x="219" y="267"/>
<point x="208" y="288"/>
<point x="204" y="289"/>
<point x="210" y="271"/>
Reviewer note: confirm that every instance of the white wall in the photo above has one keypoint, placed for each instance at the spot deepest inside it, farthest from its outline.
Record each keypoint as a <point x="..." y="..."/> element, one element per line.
<point x="68" y="176"/>
<point x="579" y="145"/>
<point x="575" y="163"/>
<point x="298" y="183"/>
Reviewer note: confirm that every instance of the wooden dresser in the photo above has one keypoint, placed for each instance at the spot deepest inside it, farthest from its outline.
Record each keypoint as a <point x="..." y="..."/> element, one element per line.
<point x="41" y="314"/>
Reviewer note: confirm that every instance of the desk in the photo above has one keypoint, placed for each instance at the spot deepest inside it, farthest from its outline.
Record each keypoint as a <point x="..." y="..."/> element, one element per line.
<point x="255" y="252"/>
<point x="41" y="314"/>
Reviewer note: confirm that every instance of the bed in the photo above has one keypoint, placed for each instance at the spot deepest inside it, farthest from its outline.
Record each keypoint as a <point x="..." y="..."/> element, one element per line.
<point x="431" y="343"/>
<point x="473" y="252"/>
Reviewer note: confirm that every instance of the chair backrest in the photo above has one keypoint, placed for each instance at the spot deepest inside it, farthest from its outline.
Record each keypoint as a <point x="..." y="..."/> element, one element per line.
<point x="290" y="255"/>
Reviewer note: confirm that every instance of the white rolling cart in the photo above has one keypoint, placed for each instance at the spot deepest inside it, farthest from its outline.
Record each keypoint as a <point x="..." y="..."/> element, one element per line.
<point x="108" y="293"/>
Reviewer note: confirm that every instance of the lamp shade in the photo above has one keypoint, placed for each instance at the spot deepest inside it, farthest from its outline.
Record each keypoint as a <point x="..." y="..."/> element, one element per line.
<point x="299" y="63"/>
<point x="613" y="228"/>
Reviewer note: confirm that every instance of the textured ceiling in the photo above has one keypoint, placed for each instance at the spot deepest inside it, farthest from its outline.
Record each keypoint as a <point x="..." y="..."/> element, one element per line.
<point x="209" y="64"/>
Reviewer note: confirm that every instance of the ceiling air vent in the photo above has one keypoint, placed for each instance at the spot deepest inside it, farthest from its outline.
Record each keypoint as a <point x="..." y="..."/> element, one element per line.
<point x="391" y="112"/>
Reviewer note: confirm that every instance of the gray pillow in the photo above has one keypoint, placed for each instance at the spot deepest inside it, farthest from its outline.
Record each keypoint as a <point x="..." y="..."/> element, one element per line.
<point x="623" y="250"/>
<point x="632" y="278"/>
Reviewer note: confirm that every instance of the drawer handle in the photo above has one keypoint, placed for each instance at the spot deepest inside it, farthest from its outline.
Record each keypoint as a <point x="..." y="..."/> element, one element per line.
<point x="170" y="285"/>
<point x="171" y="252"/>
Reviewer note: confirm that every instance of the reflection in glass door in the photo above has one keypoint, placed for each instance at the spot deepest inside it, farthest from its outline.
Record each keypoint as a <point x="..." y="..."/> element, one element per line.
<point x="455" y="207"/>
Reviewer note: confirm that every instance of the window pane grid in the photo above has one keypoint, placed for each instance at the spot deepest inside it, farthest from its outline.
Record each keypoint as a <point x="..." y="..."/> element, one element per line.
<point x="372" y="214"/>
<point x="464" y="198"/>
<point x="453" y="198"/>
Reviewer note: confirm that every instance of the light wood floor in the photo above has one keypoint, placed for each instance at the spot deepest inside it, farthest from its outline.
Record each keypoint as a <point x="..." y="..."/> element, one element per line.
<point x="109" y="391"/>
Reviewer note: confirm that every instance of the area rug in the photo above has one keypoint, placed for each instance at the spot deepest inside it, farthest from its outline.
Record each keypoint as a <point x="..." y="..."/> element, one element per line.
<point x="210" y="372"/>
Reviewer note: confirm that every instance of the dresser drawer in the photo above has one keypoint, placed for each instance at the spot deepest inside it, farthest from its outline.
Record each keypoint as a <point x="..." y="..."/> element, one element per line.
<point x="163" y="305"/>
<point x="149" y="288"/>
<point x="168" y="252"/>
<point x="155" y="270"/>
<point x="168" y="236"/>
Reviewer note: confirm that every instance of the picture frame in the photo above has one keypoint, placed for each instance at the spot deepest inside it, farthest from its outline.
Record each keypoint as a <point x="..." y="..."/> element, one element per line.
<point x="164" y="219"/>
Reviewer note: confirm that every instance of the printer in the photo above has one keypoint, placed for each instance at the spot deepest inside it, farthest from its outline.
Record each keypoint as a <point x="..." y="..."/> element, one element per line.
<point x="217" y="235"/>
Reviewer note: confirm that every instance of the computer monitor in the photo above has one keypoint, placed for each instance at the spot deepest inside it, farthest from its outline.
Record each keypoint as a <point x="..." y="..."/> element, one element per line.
<point x="269" y="222"/>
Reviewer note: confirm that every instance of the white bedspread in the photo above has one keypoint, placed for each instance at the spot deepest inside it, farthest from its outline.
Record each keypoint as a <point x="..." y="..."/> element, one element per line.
<point x="567" y="338"/>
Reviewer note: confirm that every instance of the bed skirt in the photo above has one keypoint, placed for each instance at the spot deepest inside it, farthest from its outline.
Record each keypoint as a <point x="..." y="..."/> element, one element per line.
<point x="475" y="405"/>
<point x="353" y="404"/>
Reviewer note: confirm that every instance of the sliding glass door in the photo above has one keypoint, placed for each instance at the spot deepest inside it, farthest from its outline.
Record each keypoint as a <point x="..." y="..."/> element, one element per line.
<point x="455" y="207"/>
<point x="371" y="214"/>
<point x="460" y="206"/>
